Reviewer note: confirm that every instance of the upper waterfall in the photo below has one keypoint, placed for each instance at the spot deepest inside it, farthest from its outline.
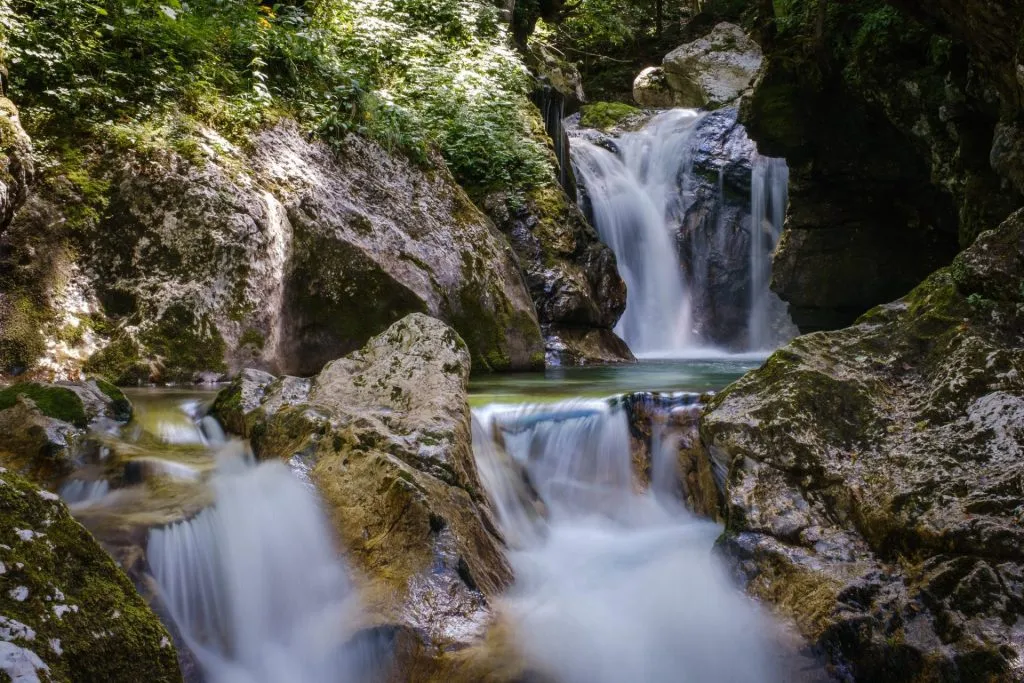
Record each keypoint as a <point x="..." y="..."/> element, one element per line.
<point x="695" y="256"/>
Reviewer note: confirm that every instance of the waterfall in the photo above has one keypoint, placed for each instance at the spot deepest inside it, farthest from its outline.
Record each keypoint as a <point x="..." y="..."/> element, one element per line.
<point x="635" y="202"/>
<point x="612" y="583"/>
<point x="696" y="258"/>
<point x="769" y="187"/>
<point x="254" y="584"/>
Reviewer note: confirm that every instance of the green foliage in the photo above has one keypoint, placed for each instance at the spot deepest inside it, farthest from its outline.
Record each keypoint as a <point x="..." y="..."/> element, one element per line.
<point x="56" y="402"/>
<point x="410" y="74"/>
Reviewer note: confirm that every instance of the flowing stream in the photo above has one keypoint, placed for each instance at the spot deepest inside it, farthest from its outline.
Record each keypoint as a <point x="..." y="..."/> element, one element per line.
<point x="613" y="582"/>
<point x="254" y="583"/>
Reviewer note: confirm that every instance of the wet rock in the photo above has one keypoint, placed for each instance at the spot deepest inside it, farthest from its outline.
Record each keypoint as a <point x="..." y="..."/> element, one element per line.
<point x="872" y="476"/>
<point x="713" y="70"/>
<point x="385" y="435"/>
<point x="583" y="346"/>
<point x="69" y="612"/>
<point x="572" y="276"/>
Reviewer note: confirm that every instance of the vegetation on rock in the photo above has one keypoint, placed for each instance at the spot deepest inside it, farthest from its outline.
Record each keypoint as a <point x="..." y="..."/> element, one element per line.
<point x="69" y="612"/>
<point x="53" y="401"/>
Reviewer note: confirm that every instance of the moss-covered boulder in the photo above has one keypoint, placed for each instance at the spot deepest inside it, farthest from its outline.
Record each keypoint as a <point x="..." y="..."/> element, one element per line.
<point x="871" y="476"/>
<point x="385" y="436"/>
<point x="68" y="612"/>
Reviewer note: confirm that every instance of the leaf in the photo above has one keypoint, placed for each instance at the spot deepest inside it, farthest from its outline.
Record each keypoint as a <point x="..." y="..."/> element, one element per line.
<point x="96" y="8"/>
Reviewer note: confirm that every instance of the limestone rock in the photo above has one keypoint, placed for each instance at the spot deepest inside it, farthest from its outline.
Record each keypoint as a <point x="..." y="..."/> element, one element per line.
<point x="69" y="613"/>
<point x="282" y="256"/>
<point x="16" y="165"/>
<point x="651" y="89"/>
<point x="557" y="72"/>
<point x="713" y="70"/>
<point x="871" y="476"/>
<point x="385" y="435"/>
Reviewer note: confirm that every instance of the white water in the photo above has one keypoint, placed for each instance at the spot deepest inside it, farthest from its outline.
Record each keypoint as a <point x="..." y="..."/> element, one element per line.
<point x="638" y="201"/>
<point x="612" y="584"/>
<point x="254" y="583"/>
<point x="634" y="200"/>
<point x="769" y="191"/>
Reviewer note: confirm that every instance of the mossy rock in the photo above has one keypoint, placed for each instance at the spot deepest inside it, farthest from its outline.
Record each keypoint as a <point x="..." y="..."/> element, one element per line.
<point x="69" y="612"/>
<point x="606" y="115"/>
<point x="57" y="402"/>
<point x="121" y="406"/>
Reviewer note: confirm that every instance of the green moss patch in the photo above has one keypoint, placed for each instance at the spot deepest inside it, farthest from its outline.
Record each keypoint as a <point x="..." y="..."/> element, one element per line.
<point x="121" y="407"/>
<point x="605" y="115"/>
<point x="57" y="402"/>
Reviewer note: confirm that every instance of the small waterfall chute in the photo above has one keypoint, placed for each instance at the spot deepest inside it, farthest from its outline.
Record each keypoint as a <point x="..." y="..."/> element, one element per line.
<point x="613" y="583"/>
<point x="632" y="197"/>
<point x="769" y="194"/>
<point x="254" y="583"/>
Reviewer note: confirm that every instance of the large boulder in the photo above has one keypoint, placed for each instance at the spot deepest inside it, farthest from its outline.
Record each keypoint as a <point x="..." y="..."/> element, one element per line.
<point x="384" y="434"/>
<point x="208" y="257"/>
<point x="713" y="70"/>
<point x="872" y="477"/>
<point x="651" y="89"/>
<point x="69" y="612"/>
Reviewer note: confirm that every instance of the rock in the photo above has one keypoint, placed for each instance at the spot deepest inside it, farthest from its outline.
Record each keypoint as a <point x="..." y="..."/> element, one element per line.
<point x="713" y="70"/>
<point x="872" y="476"/>
<point x="69" y="613"/>
<point x="16" y="163"/>
<point x="385" y="436"/>
<point x="651" y="89"/>
<point x="572" y="276"/>
<point x="927" y="85"/>
<point x="583" y="346"/>
<point x="556" y="71"/>
<point x="281" y="255"/>
<point x="36" y="445"/>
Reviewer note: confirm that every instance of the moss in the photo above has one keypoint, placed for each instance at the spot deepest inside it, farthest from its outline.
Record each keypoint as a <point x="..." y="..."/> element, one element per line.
<point x="605" y="115"/>
<point x="120" y="361"/>
<point x="21" y="336"/>
<point x="252" y="338"/>
<point x="57" y="402"/>
<point x="106" y="630"/>
<point x="185" y="344"/>
<point x="122" y="407"/>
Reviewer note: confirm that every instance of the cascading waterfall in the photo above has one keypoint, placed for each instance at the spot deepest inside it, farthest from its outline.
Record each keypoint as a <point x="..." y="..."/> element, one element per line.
<point x="769" y="190"/>
<point x="635" y="202"/>
<point x="254" y="583"/>
<point x="696" y="266"/>
<point x="612" y="584"/>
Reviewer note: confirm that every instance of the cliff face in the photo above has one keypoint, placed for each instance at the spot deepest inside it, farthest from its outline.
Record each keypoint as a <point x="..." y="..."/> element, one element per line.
<point x="283" y="254"/>
<point x="893" y="130"/>
<point x="870" y="474"/>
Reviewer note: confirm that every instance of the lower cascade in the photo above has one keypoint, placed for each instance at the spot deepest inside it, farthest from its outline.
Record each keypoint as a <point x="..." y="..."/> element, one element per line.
<point x="613" y="583"/>
<point x="254" y="583"/>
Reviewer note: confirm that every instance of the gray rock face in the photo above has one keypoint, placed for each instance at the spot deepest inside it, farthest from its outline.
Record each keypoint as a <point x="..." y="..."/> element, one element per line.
<point x="713" y="70"/>
<point x="651" y="89"/>
<point x="871" y="477"/>
<point x="385" y="432"/>
<point x="285" y="255"/>
<point x="572" y="276"/>
<point x="16" y="164"/>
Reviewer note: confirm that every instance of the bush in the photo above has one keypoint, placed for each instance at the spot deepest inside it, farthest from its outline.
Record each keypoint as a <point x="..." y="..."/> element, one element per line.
<point x="407" y="73"/>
